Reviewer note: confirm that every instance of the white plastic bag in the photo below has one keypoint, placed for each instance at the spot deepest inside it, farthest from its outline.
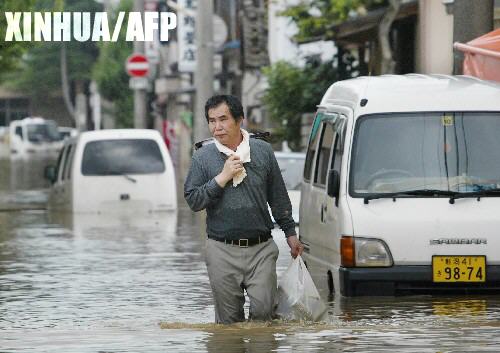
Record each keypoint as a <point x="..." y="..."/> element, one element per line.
<point x="298" y="298"/>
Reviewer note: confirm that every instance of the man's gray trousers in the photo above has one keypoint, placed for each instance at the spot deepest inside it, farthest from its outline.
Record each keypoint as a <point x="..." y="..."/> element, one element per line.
<point x="233" y="269"/>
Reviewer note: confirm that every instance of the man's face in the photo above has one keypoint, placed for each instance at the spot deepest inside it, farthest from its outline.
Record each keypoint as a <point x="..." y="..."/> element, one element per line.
<point x="223" y="126"/>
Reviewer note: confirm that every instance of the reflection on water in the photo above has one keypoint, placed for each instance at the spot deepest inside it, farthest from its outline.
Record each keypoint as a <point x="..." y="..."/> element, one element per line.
<point x="458" y="307"/>
<point x="370" y="325"/>
<point x="22" y="183"/>
<point x="96" y="278"/>
<point x="83" y="283"/>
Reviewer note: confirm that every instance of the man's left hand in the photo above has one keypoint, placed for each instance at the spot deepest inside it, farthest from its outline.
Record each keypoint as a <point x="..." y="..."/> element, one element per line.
<point x="296" y="247"/>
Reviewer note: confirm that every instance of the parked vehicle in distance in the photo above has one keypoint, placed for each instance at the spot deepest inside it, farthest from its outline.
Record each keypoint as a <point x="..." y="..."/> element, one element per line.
<point x="4" y="144"/>
<point x="67" y="132"/>
<point x="34" y="137"/>
<point x="401" y="186"/>
<point x="106" y="171"/>
<point x="3" y="134"/>
<point x="292" y="165"/>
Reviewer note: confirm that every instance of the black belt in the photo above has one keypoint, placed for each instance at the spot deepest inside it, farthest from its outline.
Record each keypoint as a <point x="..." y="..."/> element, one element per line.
<point x="243" y="243"/>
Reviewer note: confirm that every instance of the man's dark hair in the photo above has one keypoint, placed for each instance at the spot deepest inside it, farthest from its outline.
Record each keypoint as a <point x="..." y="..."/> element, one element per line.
<point x="233" y="103"/>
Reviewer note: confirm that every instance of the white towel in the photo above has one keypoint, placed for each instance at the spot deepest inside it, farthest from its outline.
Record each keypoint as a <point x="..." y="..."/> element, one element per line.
<point x="242" y="151"/>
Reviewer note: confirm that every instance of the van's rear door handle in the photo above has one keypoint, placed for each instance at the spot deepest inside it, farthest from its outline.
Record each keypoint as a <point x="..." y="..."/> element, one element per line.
<point x="307" y="247"/>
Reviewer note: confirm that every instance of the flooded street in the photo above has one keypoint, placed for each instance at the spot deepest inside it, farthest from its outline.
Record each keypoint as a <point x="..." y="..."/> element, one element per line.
<point x="76" y="283"/>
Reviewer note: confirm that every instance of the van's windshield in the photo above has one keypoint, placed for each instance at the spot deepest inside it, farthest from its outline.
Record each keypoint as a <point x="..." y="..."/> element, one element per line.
<point x="122" y="157"/>
<point x="46" y="132"/>
<point x="455" y="152"/>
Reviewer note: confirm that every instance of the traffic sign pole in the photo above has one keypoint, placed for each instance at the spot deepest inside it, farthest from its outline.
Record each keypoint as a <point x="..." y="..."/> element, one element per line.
<point x="140" y="109"/>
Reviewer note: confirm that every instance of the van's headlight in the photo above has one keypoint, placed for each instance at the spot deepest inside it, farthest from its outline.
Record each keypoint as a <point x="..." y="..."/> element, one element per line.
<point x="364" y="252"/>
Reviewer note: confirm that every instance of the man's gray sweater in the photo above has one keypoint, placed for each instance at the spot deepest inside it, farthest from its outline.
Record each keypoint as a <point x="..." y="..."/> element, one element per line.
<point x="241" y="211"/>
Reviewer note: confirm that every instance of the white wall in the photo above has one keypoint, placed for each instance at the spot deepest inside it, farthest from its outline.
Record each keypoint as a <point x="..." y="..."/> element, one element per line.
<point x="435" y="38"/>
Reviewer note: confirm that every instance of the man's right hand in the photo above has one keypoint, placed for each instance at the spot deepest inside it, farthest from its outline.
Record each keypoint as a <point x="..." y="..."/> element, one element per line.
<point x="296" y="246"/>
<point x="232" y="167"/>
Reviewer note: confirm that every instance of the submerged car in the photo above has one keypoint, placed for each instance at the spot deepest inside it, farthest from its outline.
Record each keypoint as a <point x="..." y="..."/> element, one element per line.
<point x="105" y="171"/>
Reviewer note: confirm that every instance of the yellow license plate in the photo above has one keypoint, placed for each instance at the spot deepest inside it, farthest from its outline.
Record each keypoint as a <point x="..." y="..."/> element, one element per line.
<point x="459" y="268"/>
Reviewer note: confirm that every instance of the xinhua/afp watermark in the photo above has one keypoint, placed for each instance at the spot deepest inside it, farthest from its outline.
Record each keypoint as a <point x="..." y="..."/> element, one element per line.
<point x="87" y="26"/>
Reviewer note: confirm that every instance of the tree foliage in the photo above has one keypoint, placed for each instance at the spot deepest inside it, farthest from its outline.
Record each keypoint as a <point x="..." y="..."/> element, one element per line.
<point x="11" y="52"/>
<point x="314" y="18"/>
<point x="293" y="91"/>
<point x="109" y="73"/>
<point x="39" y="71"/>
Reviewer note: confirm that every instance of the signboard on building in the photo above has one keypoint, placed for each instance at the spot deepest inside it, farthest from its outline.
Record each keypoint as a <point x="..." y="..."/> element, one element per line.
<point x="186" y="17"/>
<point x="255" y="34"/>
<point x="152" y="47"/>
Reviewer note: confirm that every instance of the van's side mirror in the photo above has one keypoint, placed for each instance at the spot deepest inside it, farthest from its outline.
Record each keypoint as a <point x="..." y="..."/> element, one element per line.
<point x="333" y="185"/>
<point x="50" y="173"/>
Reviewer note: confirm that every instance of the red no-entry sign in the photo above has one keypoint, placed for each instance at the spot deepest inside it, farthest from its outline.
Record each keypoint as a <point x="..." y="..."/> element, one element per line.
<point x="137" y="65"/>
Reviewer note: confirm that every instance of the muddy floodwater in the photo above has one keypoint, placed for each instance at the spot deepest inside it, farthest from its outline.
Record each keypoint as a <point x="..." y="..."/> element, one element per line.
<point x="128" y="283"/>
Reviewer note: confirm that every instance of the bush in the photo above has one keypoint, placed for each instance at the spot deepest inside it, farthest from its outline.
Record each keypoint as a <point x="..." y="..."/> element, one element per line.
<point x="293" y="91"/>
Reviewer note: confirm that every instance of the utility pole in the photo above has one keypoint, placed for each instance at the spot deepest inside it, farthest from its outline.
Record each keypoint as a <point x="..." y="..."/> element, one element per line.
<point x="95" y="103"/>
<point x="471" y="19"/>
<point x="140" y="108"/>
<point x="204" y="75"/>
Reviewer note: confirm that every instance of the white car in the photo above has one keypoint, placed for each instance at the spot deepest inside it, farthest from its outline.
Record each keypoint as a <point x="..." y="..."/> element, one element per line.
<point x="107" y="171"/>
<point x="291" y="165"/>
<point x="67" y="132"/>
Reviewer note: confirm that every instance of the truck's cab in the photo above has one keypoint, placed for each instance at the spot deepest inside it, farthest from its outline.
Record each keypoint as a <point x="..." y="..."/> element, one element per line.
<point x="34" y="137"/>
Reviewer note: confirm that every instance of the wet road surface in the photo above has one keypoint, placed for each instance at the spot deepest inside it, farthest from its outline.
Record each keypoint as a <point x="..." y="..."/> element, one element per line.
<point x="75" y="283"/>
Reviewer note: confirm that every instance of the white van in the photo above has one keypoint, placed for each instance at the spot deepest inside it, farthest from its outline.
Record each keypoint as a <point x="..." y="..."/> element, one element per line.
<point x="34" y="137"/>
<point x="401" y="186"/>
<point x="108" y="171"/>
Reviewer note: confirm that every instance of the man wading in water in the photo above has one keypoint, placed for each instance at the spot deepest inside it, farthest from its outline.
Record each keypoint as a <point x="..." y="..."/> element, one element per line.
<point x="234" y="179"/>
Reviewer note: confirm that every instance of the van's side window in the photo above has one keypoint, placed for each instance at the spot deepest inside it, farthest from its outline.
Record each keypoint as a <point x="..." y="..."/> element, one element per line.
<point x="66" y="162"/>
<point x="60" y="163"/>
<point x="323" y="158"/>
<point x="70" y="162"/>
<point x="339" y="143"/>
<point x="311" y="149"/>
<point x="19" y="131"/>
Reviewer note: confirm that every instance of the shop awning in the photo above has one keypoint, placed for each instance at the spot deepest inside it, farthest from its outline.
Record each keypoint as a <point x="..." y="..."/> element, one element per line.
<point x="482" y="56"/>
